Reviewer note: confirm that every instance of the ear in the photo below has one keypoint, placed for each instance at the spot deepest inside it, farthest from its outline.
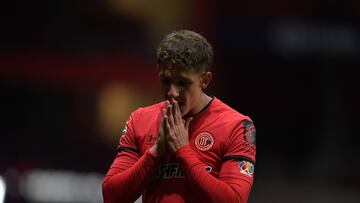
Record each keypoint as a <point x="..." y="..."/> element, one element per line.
<point x="205" y="79"/>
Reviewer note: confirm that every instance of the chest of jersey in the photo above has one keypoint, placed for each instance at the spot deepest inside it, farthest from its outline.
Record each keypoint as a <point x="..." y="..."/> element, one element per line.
<point x="208" y="141"/>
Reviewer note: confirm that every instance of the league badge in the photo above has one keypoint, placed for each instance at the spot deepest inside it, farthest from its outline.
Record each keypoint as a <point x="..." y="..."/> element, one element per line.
<point x="246" y="167"/>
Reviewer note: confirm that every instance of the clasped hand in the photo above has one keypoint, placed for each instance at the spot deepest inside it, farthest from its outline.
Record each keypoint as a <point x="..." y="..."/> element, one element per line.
<point x="173" y="131"/>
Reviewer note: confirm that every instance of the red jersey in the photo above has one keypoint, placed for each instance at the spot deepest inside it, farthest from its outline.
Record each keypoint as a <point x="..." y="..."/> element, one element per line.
<point x="216" y="166"/>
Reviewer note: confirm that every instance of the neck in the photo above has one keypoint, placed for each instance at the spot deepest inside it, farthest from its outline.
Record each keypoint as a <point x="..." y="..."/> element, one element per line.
<point x="204" y="101"/>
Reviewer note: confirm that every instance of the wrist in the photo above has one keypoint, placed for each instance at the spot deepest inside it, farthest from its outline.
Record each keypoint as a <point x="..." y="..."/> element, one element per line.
<point x="153" y="151"/>
<point x="185" y="147"/>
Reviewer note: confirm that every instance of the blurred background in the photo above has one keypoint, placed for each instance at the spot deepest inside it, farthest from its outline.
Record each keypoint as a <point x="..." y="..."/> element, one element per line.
<point x="71" y="71"/>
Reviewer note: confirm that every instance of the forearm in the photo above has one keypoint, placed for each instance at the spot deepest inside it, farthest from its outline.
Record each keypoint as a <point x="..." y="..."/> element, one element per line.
<point x="208" y="186"/>
<point x="126" y="185"/>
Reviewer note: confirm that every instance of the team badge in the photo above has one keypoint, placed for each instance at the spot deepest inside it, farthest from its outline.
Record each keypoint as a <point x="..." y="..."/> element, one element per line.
<point x="246" y="167"/>
<point x="204" y="141"/>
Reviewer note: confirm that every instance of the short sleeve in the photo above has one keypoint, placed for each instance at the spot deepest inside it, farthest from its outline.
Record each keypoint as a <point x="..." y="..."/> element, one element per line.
<point x="127" y="140"/>
<point x="242" y="142"/>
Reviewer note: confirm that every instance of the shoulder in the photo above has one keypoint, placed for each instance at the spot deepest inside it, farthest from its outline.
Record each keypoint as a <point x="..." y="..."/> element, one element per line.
<point x="241" y="125"/>
<point x="147" y="111"/>
<point x="229" y="114"/>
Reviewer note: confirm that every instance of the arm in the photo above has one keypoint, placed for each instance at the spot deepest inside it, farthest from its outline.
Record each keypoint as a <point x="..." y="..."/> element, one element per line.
<point x="232" y="185"/>
<point x="128" y="176"/>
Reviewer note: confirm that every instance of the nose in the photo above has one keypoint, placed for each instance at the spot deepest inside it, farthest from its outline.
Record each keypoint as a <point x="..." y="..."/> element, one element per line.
<point x="173" y="91"/>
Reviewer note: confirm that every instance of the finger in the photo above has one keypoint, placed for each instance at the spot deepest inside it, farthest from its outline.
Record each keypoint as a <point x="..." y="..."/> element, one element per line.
<point x="161" y="132"/>
<point x="176" y="112"/>
<point x="167" y="106"/>
<point x="166" y="125"/>
<point x="187" y="122"/>
<point x="169" y="135"/>
<point x="170" y="116"/>
<point x="163" y="114"/>
<point x="173" y="111"/>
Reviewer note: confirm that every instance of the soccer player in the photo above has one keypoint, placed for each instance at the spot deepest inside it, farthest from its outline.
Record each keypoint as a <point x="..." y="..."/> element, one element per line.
<point x="189" y="148"/>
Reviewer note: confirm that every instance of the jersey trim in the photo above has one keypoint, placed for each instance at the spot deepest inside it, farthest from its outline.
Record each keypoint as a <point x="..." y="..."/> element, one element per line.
<point x="207" y="105"/>
<point x="119" y="149"/>
<point x="237" y="157"/>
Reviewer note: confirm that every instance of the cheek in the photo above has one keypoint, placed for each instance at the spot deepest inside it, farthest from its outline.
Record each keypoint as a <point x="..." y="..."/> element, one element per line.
<point x="183" y="112"/>
<point x="185" y="106"/>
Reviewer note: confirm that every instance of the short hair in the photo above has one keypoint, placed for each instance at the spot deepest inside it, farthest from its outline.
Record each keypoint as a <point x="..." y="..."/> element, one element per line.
<point x="185" y="49"/>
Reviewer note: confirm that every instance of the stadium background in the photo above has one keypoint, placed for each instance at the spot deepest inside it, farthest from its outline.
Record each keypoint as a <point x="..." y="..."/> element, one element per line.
<point x="71" y="71"/>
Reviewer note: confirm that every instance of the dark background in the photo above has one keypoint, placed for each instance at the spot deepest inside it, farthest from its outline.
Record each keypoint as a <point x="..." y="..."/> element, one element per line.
<point x="72" y="71"/>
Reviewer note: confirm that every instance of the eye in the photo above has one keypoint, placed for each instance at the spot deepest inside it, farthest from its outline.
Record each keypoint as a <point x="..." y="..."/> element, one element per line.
<point x="182" y="83"/>
<point x="165" y="81"/>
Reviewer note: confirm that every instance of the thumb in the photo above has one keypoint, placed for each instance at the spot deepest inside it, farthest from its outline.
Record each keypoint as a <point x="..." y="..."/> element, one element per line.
<point x="187" y="122"/>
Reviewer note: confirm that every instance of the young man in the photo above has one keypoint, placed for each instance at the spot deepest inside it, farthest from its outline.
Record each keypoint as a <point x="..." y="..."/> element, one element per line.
<point x="189" y="148"/>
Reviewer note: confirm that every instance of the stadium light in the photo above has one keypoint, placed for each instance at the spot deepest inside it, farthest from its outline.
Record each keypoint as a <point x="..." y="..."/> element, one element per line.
<point x="2" y="189"/>
<point x="44" y="186"/>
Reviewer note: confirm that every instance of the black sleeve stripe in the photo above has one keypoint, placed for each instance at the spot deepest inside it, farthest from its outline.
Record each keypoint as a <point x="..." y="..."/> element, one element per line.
<point x="238" y="157"/>
<point x="119" y="149"/>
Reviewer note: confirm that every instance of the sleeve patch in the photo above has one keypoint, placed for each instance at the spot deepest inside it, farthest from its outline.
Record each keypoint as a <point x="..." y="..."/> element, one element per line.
<point x="250" y="132"/>
<point x="246" y="167"/>
<point x="123" y="134"/>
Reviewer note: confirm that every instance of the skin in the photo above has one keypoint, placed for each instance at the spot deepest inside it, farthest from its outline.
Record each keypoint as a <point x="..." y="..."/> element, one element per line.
<point x="183" y="90"/>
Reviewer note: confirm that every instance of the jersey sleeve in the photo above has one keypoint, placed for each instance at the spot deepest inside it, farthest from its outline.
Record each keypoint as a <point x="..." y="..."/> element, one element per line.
<point x="242" y="143"/>
<point x="230" y="186"/>
<point x="127" y="140"/>
<point x="130" y="173"/>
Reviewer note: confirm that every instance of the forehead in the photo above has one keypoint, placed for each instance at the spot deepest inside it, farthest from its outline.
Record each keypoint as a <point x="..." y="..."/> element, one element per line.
<point x="178" y="73"/>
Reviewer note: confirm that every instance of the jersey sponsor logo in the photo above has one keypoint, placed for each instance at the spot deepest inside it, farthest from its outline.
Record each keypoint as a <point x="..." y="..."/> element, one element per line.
<point x="173" y="170"/>
<point x="250" y="132"/>
<point x="246" y="167"/>
<point x="204" y="141"/>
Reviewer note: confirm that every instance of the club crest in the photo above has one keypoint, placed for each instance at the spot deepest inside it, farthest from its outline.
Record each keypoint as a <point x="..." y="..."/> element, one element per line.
<point x="204" y="141"/>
